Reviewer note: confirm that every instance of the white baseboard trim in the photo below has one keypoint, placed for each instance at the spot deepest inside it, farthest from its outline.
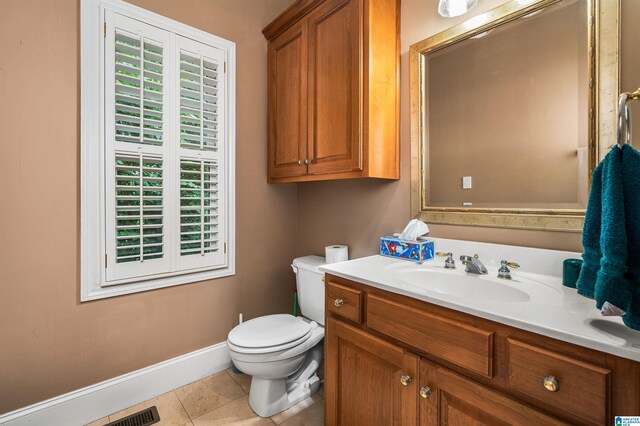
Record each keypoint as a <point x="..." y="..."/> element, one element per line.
<point x="96" y="401"/>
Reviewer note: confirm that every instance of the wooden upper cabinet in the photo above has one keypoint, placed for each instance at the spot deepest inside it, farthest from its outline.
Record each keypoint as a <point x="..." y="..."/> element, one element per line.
<point x="333" y="91"/>
<point x="334" y="69"/>
<point x="288" y="102"/>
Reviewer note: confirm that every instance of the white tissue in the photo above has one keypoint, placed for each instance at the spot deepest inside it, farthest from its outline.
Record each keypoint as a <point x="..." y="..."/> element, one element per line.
<point x="336" y="253"/>
<point x="611" y="310"/>
<point x="414" y="229"/>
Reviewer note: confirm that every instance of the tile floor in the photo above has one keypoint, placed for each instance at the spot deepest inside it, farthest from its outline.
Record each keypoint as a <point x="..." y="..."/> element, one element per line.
<point x="221" y="399"/>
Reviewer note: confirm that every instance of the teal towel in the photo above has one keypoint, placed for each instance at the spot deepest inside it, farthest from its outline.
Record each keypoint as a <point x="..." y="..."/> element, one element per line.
<point x="631" y="188"/>
<point x="592" y="254"/>
<point x="611" y="235"/>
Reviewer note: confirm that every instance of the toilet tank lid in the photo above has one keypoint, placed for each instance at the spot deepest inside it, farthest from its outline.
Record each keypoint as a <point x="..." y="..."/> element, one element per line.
<point x="309" y="263"/>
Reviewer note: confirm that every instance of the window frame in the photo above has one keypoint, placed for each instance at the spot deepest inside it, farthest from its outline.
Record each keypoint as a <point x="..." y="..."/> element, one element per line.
<point x="93" y="284"/>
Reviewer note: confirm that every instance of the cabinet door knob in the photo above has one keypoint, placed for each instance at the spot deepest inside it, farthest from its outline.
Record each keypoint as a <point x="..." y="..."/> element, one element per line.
<point x="301" y="162"/>
<point x="338" y="302"/>
<point x="425" y="392"/>
<point x="551" y="384"/>
<point x="405" y="380"/>
<point x="307" y="161"/>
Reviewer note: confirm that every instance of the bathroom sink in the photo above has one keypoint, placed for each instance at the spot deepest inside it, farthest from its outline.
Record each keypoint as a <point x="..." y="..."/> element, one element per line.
<point x="458" y="284"/>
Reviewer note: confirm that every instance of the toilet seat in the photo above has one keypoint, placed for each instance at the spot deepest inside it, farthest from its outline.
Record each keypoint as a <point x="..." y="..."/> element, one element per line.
<point x="270" y="333"/>
<point x="271" y="354"/>
<point x="268" y="349"/>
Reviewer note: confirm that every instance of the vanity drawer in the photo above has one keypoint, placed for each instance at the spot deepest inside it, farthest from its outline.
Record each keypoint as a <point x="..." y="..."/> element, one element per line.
<point x="459" y="343"/>
<point x="344" y="301"/>
<point x="580" y="388"/>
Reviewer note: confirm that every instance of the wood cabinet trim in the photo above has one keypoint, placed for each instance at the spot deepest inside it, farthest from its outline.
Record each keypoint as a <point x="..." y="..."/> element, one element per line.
<point x="290" y="16"/>
<point x="487" y="404"/>
<point x="406" y="363"/>
<point x="352" y="301"/>
<point x="297" y="105"/>
<point x="457" y="342"/>
<point x="528" y="362"/>
<point x="350" y="39"/>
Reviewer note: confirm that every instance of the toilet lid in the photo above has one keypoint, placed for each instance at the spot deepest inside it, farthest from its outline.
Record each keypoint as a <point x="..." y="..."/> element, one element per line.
<point x="270" y="330"/>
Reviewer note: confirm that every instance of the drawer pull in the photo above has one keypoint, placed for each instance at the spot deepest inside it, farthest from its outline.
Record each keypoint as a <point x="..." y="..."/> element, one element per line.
<point x="425" y="392"/>
<point x="405" y="380"/>
<point x="338" y="302"/>
<point x="551" y="384"/>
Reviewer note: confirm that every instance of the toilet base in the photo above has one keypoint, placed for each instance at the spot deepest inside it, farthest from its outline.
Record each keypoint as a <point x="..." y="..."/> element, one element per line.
<point x="270" y="396"/>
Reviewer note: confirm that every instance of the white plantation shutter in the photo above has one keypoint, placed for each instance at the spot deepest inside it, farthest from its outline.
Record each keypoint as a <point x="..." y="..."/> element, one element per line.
<point x="157" y="151"/>
<point x="136" y="154"/>
<point x="139" y="208"/>
<point x="199" y="100"/>
<point x="202" y="209"/>
<point x="200" y="230"/>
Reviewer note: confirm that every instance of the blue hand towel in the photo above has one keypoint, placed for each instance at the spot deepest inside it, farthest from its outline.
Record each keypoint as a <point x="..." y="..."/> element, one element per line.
<point x="611" y="235"/>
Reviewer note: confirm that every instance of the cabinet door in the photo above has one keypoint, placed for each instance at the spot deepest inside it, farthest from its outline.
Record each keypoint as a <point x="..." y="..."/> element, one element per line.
<point x="364" y="379"/>
<point x="456" y="400"/>
<point x="334" y="87"/>
<point x="288" y="102"/>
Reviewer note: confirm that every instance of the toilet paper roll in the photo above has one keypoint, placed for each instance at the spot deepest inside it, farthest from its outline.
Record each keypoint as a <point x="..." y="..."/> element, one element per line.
<point x="336" y="253"/>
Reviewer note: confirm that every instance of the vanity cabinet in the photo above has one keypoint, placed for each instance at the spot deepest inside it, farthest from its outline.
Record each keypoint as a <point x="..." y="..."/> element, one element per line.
<point x="392" y="359"/>
<point x="448" y="398"/>
<point x="333" y="91"/>
<point x="375" y="379"/>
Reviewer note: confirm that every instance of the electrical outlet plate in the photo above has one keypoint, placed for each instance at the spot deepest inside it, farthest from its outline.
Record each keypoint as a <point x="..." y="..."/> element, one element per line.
<point x="466" y="182"/>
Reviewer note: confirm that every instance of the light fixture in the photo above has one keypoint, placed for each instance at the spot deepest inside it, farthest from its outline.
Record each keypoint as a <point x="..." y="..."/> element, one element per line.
<point x="452" y="8"/>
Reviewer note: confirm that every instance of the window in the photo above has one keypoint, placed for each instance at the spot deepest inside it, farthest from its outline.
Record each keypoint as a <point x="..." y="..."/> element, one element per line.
<point x="157" y="152"/>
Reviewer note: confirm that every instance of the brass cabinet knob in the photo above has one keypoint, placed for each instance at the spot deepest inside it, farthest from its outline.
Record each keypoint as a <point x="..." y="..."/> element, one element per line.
<point x="425" y="392"/>
<point x="551" y="384"/>
<point x="405" y="380"/>
<point x="338" y="302"/>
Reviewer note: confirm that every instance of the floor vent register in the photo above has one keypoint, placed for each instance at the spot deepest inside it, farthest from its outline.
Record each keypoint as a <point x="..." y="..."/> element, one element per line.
<point x="141" y="418"/>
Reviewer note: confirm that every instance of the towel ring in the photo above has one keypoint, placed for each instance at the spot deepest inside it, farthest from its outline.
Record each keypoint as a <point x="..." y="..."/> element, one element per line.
<point x="624" y="117"/>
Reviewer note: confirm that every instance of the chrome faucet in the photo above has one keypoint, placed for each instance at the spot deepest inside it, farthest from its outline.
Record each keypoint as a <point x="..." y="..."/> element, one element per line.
<point x="473" y="265"/>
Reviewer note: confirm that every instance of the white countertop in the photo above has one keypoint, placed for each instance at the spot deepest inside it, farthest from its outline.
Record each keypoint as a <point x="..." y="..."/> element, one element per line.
<point x="562" y="314"/>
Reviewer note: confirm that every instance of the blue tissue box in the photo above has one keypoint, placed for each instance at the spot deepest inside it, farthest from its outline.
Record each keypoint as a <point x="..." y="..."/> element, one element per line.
<point x="415" y="251"/>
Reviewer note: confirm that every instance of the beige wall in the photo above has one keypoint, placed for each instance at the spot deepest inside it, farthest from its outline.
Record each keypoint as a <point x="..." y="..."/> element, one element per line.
<point x="358" y="212"/>
<point x="49" y="342"/>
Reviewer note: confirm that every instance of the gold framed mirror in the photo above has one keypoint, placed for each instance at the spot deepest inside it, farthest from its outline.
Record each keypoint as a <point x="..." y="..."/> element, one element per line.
<point x="501" y="200"/>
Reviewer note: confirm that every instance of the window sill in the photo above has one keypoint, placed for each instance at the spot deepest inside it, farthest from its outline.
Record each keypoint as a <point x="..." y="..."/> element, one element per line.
<point x="93" y="290"/>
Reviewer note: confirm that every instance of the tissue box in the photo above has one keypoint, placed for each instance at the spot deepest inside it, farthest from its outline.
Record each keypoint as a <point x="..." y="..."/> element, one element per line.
<point x="415" y="251"/>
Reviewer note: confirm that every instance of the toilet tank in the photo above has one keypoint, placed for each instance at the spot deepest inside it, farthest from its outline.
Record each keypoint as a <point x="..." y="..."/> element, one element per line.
<point x="310" y="287"/>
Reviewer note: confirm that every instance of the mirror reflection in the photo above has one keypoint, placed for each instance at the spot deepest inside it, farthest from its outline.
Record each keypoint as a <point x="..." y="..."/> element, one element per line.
<point x="506" y="114"/>
<point x="629" y="60"/>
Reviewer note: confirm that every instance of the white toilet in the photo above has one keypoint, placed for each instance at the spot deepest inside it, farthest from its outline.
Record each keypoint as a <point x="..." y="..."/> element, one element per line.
<point x="283" y="352"/>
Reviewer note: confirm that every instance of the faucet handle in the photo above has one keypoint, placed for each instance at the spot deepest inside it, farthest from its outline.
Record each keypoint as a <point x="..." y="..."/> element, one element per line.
<point x="512" y="265"/>
<point x="504" y="272"/>
<point x="449" y="263"/>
